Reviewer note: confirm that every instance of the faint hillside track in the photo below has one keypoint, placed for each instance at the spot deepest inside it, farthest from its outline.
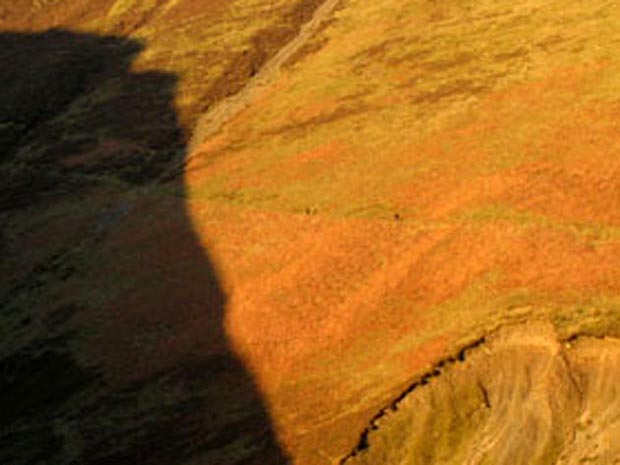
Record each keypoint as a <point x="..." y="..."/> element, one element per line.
<point x="212" y="121"/>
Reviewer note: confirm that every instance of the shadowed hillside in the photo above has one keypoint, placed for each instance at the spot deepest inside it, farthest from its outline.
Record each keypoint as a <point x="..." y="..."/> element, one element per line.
<point x="93" y="360"/>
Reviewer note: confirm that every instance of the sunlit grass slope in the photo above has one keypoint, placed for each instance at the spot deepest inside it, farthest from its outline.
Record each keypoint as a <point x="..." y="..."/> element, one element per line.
<point x="426" y="172"/>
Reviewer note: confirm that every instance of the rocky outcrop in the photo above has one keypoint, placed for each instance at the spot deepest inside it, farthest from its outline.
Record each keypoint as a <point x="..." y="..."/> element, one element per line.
<point x="521" y="397"/>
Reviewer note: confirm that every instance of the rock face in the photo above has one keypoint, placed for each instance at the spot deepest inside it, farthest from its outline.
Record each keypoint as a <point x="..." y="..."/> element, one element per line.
<point x="521" y="397"/>
<point x="233" y="232"/>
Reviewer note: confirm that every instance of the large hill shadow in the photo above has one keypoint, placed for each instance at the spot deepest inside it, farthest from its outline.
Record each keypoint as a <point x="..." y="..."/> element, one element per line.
<point x="76" y="384"/>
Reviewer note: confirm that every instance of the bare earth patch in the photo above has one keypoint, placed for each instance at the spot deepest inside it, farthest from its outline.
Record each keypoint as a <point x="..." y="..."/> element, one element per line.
<point x="521" y="396"/>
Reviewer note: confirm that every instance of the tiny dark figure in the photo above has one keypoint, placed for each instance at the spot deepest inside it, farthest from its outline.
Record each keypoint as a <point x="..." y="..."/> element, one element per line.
<point x="397" y="216"/>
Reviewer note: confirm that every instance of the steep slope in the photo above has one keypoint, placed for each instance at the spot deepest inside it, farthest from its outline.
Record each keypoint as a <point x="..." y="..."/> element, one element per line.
<point x="428" y="173"/>
<point x="400" y="182"/>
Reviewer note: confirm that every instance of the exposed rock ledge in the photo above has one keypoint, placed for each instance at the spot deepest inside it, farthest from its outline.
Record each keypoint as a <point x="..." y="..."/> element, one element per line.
<point x="520" y="397"/>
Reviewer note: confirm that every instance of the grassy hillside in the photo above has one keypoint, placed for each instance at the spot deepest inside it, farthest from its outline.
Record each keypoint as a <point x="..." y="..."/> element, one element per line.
<point x="427" y="173"/>
<point x="410" y="178"/>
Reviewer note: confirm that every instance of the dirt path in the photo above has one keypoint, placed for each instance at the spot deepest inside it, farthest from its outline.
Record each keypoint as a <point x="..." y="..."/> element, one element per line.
<point x="211" y="122"/>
